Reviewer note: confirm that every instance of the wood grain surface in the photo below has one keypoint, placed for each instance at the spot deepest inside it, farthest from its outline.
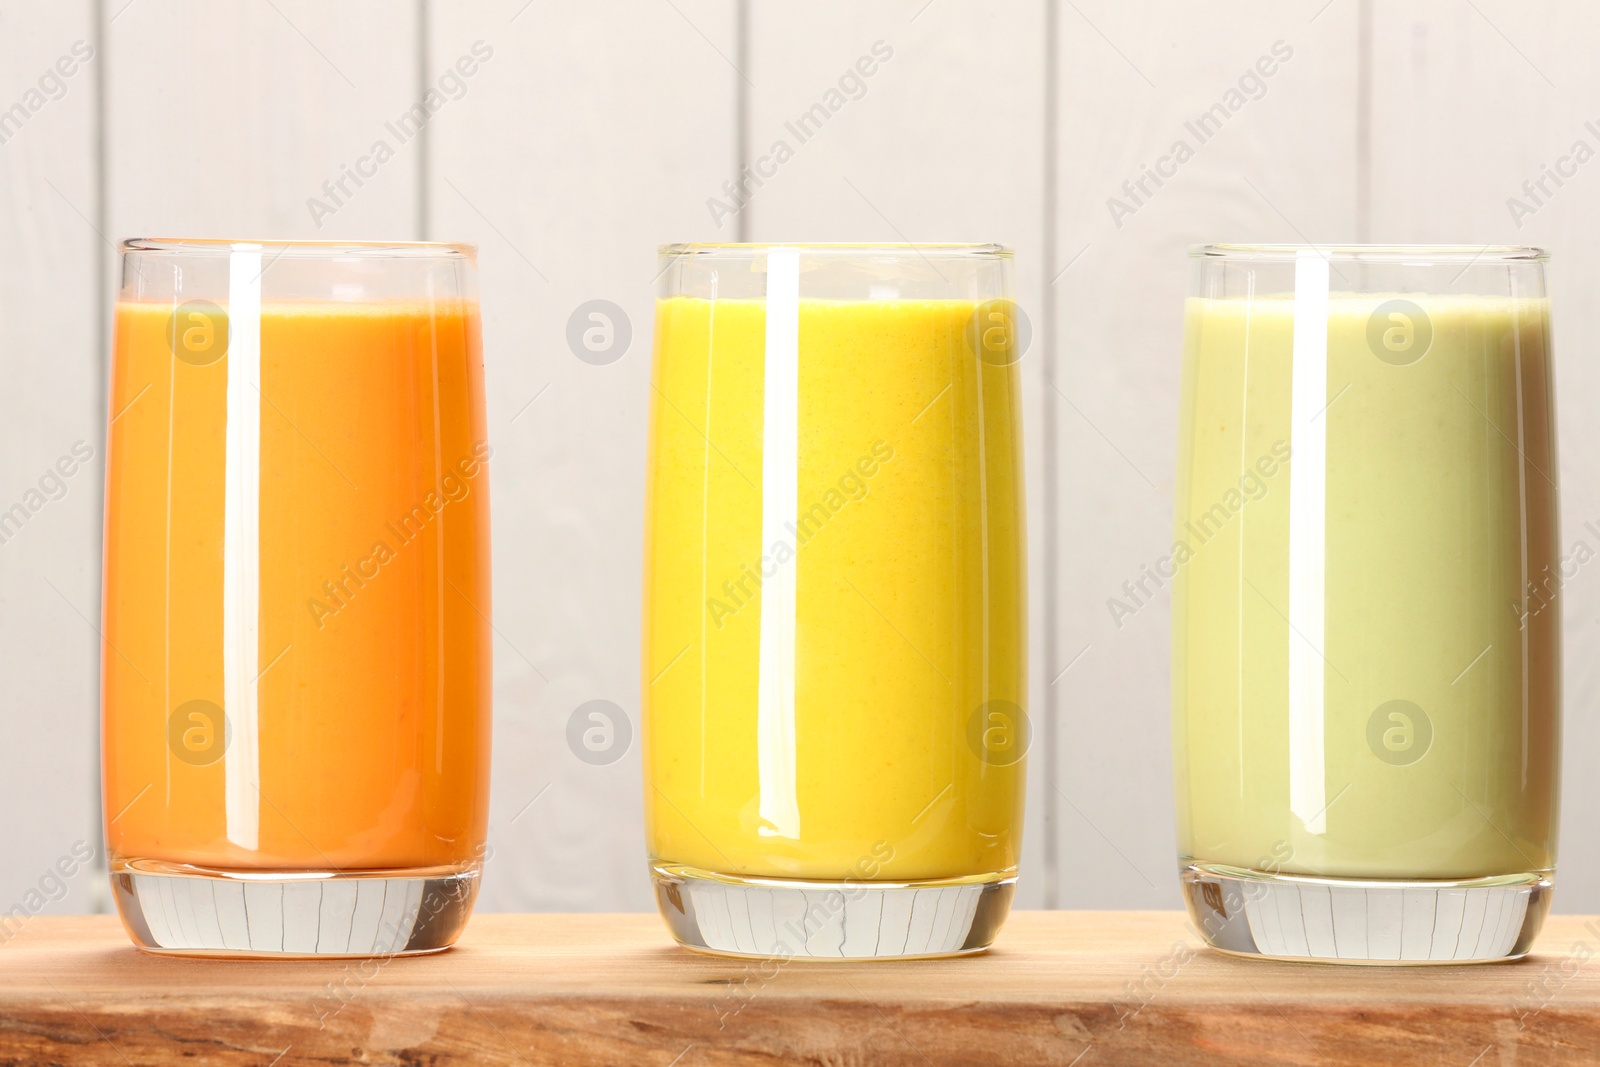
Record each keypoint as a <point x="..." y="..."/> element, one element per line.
<point x="1091" y="988"/>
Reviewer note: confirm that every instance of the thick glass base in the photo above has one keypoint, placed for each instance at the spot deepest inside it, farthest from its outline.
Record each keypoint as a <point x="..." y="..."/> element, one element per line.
<point x="1342" y="920"/>
<point x="174" y="908"/>
<point x="770" y="918"/>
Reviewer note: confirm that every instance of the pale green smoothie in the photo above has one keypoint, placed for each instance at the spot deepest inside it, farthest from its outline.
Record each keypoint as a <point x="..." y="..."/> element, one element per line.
<point x="1366" y="632"/>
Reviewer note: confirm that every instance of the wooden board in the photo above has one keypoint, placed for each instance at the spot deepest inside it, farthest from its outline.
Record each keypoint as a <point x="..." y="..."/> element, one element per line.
<point x="1096" y="988"/>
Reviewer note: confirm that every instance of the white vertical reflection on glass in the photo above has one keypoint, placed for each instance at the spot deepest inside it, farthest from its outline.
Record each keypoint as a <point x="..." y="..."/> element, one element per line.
<point x="439" y="471"/>
<point x="1517" y="326"/>
<point x="1308" y="501"/>
<point x="780" y="505"/>
<point x="705" y="519"/>
<point x="241" y="548"/>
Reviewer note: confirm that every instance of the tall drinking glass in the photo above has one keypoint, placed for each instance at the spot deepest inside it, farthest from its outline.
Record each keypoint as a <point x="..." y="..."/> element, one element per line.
<point x="296" y="661"/>
<point x="1366" y="616"/>
<point x="835" y="622"/>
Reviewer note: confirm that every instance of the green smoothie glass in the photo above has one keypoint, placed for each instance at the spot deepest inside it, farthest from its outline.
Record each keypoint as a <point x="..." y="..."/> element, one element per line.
<point x="1366" y="605"/>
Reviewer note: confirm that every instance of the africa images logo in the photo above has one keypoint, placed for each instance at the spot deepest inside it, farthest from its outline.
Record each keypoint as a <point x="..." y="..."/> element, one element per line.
<point x="453" y="488"/>
<point x="852" y="486"/>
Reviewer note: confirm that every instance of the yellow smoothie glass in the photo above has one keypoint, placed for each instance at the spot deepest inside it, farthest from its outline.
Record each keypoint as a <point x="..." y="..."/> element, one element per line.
<point x="835" y="620"/>
<point x="1366" y="603"/>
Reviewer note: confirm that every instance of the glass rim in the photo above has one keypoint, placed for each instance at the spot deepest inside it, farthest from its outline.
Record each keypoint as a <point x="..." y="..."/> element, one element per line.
<point x="306" y="248"/>
<point x="739" y="250"/>
<point x="1375" y="253"/>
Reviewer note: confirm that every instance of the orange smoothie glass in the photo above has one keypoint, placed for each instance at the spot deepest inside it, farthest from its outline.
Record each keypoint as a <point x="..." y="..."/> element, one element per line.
<point x="296" y="660"/>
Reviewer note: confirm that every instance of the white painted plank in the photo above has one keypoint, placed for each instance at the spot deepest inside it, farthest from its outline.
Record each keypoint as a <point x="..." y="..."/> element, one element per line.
<point x="825" y="922"/>
<point x="263" y="906"/>
<point x="590" y="137"/>
<point x="155" y="912"/>
<point x="939" y="933"/>
<point x="302" y="910"/>
<point x="966" y="906"/>
<point x="1282" y="166"/>
<point x="50" y="377"/>
<point x="1451" y="912"/>
<point x="339" y="901"/>
<point x="393" y="928"/>
<point x="863" y="915"/>
<point x="232" y="915"/>
<point x="789" y="919"/>
<point x="1291" y="920"/>
<point x="365" y="930"/>
<point x="1385" y="916"/>
<point x="1449" y="78"/>
<point x="1472" y="923"/>
<point x="1350" y="922"/>
<point x="895" y="923"/>
<point x="1418" y="923"/>
<point x="711" y="909"/>
<point x="763" y="924"/>
<point x="942" y="142"/>
<point x="1263" y="920"/>
<point x="203" y="907"/>
<point x="267" y="103"/>
<point x="1316" y="904"/>
<point x="924" y="907"/>
<point x="739" y="922"/>
<point x="1495" y="905"/>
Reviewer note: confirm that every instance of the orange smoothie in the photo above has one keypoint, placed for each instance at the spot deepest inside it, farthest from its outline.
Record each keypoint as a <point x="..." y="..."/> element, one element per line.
<point x="296" y="671"/>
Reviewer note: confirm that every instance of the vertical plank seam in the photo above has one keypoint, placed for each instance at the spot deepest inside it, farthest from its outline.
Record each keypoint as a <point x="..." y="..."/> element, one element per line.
<point x="1047" y="334"/>
<point x="99" y="899"/>
<point x="741" y="107"/>
<point x="424" y="138"/>
<point x="1364" y="121"/>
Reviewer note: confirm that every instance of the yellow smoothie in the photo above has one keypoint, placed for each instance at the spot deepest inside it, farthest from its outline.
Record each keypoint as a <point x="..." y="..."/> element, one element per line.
<point x="1365" y="628"/>
<point x="908" y="623"/>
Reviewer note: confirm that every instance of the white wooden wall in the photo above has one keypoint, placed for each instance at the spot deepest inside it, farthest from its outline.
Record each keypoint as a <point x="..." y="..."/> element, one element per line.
<point x="596" y="132"/>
